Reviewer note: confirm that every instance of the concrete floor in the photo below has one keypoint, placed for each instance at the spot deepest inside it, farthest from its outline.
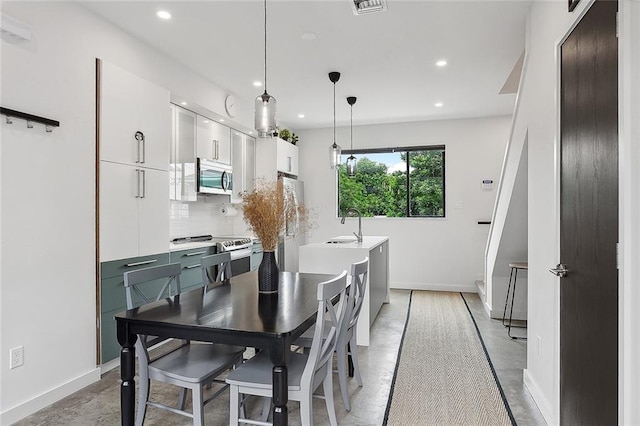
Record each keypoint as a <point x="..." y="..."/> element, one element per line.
<point x="99" y="403"/>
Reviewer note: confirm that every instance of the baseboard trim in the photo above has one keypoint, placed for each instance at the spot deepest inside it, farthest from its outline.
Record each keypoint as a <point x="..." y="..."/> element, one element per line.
<point x="29" y="407"/>
<point x="538" y="397"/>
<point x="457" y="288"/>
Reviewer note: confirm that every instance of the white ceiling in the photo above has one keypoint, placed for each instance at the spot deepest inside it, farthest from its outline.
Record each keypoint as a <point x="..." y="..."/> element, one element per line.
<point x="386" y="59"/>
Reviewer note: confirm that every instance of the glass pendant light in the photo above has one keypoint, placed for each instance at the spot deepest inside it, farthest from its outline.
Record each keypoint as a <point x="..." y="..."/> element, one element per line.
<point x="351" y="160"/>
<point x="265" y="110"/>
<point x="334" y="150"/>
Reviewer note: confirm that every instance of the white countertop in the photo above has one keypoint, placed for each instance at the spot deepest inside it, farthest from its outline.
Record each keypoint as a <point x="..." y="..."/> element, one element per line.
<point x="368" y="242"/>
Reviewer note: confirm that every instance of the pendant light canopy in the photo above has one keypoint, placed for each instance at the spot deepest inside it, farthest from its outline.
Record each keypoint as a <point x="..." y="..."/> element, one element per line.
<point x="334" y="150"/>
<point x="351" y="160"/>
<point x="265" y="110"/>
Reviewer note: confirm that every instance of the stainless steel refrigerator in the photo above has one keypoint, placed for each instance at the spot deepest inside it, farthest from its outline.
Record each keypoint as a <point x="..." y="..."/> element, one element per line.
<point x="292" y="239"/>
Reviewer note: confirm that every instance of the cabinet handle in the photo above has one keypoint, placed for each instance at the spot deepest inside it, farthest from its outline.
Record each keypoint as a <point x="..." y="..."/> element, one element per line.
<point x="195" y="253"/>
<point x="138" y="183"/>
<point x="139" y="138"/>
<point x="144" y="262"/>
<point x="289" y="164"/>
<point x="191" y="266"/>
<point x="144" y="183"/>
<point x="215" y="150"/>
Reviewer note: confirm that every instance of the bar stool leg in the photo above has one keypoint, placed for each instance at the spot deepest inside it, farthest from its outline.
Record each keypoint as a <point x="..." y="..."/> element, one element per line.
<point x="506" y="300"/>
<point x="513" y="297"/>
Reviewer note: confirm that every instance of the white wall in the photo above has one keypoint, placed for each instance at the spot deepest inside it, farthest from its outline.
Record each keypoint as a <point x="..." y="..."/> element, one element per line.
<point x="548" y="24"/>
<point x="48" y="268"/>
<point x="425" y="253"/>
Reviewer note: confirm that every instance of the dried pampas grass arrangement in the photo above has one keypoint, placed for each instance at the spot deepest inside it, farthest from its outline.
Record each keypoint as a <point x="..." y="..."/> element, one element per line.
<point x="269" y="208"/>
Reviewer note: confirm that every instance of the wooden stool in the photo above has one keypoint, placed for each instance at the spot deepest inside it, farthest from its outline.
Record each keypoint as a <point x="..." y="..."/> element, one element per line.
<point x="513" y="276"/>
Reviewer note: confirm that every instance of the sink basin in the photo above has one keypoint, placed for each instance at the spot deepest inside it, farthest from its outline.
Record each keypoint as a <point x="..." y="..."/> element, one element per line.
<point x="342" y="240"/>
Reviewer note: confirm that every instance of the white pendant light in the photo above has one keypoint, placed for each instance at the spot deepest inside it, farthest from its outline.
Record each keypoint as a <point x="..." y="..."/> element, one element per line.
<point x="334" y="150"/>
<point x="351" y="160"/>
<point x="265" y="110"/>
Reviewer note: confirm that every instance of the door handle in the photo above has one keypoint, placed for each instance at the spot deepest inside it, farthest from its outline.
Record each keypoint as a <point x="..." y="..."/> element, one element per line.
<point x="560" y="270"/>
<point x="138" y="183"/>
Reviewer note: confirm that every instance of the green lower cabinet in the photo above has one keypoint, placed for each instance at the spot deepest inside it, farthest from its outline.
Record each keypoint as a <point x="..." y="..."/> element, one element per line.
<point x="256" y="256"/>
<point x="113" y="298"/>
<point x="109" y="347"/>
<point x="112" y="294"/>
<point x="191" y="276"/>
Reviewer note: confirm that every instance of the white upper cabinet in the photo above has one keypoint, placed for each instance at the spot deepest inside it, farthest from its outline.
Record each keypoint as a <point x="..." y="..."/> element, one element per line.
<point x="275" y="155"/>
<point x="182" y="164"/>
<point x="244" y="163"/>
<point x="134" y="177"/>
<point x="213" y="141"/>
<point x="135" y="119"/>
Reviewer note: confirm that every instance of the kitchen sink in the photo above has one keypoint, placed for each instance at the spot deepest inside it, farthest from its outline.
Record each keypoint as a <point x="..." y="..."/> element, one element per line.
<point x="342" y="240"/>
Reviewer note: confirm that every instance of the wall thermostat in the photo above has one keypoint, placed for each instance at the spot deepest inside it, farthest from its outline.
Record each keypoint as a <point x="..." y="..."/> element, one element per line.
<point x="487" y="184"/>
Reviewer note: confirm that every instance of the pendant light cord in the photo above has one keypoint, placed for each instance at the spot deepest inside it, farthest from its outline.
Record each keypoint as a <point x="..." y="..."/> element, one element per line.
<point x="334" y="113"/>
<point x="265" y="46"/>
<point x="352" y="128"/>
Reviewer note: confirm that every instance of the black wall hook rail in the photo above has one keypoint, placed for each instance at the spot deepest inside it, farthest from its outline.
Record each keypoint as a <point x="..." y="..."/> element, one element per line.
<point x="28" y="117"/>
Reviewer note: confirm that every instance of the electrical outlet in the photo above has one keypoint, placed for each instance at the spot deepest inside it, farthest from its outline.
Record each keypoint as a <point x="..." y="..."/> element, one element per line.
<point x="16" y="358"/>
<point x="539" y="346"/>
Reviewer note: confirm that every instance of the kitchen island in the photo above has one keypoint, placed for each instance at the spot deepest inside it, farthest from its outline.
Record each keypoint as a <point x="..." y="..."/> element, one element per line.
<point x="337" y="254"/>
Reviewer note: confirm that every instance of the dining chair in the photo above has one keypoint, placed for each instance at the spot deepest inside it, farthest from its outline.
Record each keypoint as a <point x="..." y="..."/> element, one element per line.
<point x="306" y="371"/>
<point x="189" y="366"/>
<point x="210" y="273"/>
<point x="347" y="338"/>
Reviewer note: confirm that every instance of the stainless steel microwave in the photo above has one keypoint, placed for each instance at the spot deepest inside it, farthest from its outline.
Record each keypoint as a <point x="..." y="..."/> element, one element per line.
<point x="214" y="178"/>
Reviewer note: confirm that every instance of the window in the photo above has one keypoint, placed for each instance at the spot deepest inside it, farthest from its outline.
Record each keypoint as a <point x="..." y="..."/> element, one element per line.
<point x="394" y="182"/>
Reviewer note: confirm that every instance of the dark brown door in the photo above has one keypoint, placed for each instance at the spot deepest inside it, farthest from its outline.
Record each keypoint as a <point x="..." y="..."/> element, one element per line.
<point x="589" y="220"/>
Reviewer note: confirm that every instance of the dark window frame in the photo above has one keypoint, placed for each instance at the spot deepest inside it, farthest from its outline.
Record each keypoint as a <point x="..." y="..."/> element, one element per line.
<point x="406" y="150"/>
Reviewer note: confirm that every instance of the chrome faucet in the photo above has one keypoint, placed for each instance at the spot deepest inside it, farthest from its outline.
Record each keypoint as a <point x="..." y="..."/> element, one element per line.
<point x="351" y="212"/>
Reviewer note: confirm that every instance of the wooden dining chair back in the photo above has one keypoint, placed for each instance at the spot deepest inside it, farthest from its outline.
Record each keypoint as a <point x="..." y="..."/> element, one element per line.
<point x="306" y="371"/>
<point x="347" y="340"/>
<point x="346" y="345"/>
<point x="216" y="268"/>
<point x="189" y="366"/>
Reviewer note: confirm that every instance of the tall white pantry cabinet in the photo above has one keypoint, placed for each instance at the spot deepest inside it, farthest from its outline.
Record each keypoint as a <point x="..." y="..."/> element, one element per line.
<point x="135" y="137"/>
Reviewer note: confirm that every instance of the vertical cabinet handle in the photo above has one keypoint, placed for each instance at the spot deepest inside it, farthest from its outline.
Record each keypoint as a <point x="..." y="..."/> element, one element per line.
<point x="289" y="164"/>
<point x="138" y="195"/>
<point x="139" y="136"/>
<point x="141" y="183"/>
<point x="144" y="183"/>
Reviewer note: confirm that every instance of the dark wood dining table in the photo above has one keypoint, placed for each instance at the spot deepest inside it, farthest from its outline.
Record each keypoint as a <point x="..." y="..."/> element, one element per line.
<point x="233" y="313"/>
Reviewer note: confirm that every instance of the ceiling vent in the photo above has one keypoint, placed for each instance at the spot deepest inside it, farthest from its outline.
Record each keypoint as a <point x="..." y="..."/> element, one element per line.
<point x="362" y="7"/>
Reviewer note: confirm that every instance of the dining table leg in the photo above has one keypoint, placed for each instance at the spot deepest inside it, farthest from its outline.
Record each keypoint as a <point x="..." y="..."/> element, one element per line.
<point x="279" y="354"/>
<point x="280" y="395"/>
<point x="127" y="373"/>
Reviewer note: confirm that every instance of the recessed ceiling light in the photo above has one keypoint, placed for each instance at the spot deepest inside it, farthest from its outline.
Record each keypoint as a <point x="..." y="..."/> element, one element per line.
<point x="438" y="104"/>
<point x="441" y="63"/>
<point x="163" y="14"/>
<point x="250" y="132"/>
<point x="300" y="115"/>
<point x="257" y="83"/>
<point x="205" y="121"/>
<point x="308" y="36"/>
<point x="183" y="103"/>
<point x="222" y="120"/>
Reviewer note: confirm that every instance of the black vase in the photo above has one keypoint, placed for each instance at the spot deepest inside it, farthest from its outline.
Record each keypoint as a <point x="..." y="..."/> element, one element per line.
<point x="268" y="273"/>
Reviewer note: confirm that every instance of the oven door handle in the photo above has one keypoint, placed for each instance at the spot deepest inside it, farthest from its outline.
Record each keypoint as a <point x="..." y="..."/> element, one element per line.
<point x="239" y="254"/>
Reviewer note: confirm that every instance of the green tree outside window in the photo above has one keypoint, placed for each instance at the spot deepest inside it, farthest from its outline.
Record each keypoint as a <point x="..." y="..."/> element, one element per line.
<point x="412" y="187"/>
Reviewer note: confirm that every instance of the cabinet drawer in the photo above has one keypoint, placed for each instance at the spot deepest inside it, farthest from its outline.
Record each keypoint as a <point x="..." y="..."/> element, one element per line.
<point x="117" y="268"/>
<point x="191" y="256"/>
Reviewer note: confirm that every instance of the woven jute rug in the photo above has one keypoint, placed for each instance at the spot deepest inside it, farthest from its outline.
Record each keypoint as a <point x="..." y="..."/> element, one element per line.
<point x="443" y="375"/>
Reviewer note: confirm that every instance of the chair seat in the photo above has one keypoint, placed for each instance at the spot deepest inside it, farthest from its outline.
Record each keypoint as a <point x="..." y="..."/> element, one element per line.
<point x="258" y="371"/>
<point x="195" y="363"/>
